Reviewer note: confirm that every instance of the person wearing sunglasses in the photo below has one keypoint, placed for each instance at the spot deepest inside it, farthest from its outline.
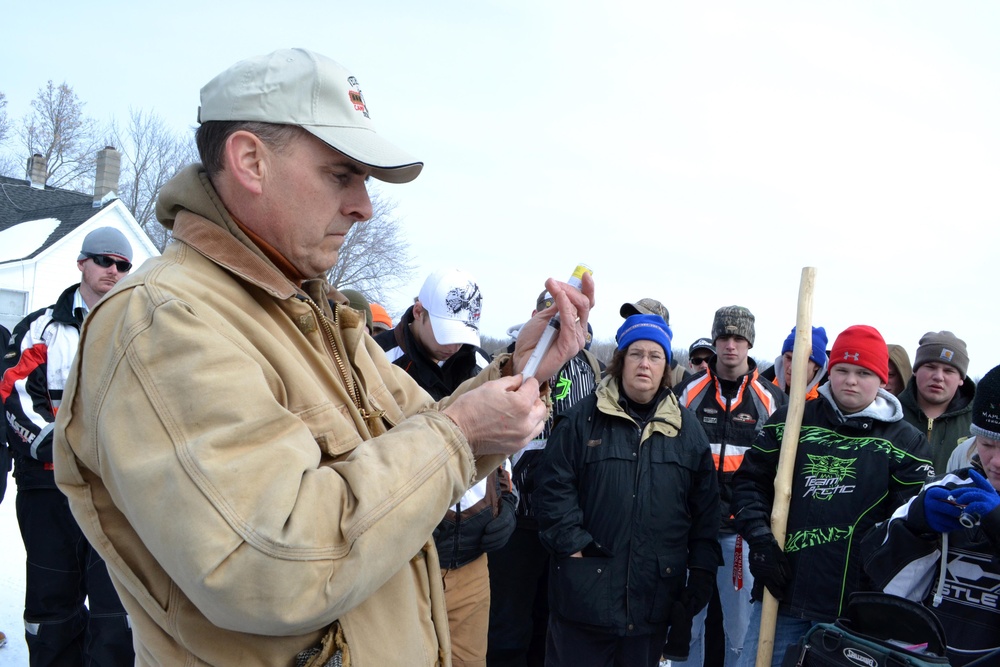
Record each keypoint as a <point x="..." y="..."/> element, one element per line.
<point x="62" y="568"/>
<point x="699" y="353"/>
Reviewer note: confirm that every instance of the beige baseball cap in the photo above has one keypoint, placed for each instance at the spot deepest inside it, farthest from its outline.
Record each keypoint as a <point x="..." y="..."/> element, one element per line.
<point x="300" y="87"/>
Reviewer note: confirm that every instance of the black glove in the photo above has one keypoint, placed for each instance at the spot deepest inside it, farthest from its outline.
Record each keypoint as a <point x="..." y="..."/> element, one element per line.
<point x="679" y="637"/>
<point x="501" y="527"/>
<point x="698" y="591"/>
<point x="769" y="567"/>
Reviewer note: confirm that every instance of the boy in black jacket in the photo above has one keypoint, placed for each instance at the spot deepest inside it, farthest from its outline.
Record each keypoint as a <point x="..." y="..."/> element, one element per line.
<point x="856" y="461"/>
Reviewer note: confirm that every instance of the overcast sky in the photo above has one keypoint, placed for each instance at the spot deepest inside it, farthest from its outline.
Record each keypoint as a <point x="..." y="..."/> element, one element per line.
<point x="698" y="153"/>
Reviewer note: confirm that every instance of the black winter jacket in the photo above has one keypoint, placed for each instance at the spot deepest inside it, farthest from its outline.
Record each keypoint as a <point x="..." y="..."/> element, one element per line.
<point x="639" y="500"/>
<point x="732" y="424"/>
<point x="850" y="473"/>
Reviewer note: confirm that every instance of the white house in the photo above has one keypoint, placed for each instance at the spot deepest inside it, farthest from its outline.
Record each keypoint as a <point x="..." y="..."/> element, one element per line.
<point x="42" y="230"/>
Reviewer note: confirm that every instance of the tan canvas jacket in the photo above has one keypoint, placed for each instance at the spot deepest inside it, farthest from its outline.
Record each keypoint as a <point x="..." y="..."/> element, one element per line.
<point x="213" y="454"/>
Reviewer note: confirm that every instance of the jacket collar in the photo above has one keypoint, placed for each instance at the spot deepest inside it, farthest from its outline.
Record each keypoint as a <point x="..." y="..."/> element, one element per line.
<point x="189" y="205"/>
<point x="666" y="419"/>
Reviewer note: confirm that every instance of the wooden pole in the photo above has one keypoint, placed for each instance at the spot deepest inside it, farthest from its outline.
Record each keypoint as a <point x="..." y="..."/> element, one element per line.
<point x="786" y="457"/>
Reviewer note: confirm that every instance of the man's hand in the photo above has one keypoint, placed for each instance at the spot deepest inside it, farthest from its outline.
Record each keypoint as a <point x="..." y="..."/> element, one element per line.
<point x="571" y="304"/>
<point x="769" y="566"/>
<point x="500" y="417"/>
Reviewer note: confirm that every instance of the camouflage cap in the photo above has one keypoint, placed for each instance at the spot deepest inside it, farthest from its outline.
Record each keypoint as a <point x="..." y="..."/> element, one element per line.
<point x="645" y="307"/>
<point x="733" y="321"/>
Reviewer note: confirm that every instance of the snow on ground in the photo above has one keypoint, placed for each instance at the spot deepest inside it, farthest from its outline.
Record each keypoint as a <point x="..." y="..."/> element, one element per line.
<point x="15" y="653"/>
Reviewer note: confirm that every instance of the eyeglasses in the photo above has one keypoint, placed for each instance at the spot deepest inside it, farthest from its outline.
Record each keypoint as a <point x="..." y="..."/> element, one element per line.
<point x="637" y="356"/>
<point x="698" y="361"/>
<point x="104" y="262"/>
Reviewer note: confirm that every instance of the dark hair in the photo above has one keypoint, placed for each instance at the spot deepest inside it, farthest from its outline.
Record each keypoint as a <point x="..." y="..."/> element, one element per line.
<point x="211" y="139"/>
<point x="617" y="366"/>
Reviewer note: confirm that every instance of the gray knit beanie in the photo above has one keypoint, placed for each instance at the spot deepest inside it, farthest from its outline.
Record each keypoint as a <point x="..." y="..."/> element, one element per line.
<point x="105" y="241"/>
<point x="944" y="347"/>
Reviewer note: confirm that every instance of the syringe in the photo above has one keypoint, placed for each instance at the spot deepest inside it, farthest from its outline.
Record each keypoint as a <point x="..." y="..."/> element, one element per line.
<point x="576" y="281"/>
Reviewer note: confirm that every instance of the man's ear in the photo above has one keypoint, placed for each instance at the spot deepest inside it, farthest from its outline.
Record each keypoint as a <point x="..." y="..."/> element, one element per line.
<point x="418" y="310"/>
<point x="245" y="156"/>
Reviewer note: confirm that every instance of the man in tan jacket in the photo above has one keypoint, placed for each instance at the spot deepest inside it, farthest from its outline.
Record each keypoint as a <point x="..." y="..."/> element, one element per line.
<point x="260" y="480"/>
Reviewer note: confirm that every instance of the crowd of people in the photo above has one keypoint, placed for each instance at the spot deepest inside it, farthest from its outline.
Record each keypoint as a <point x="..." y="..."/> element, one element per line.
<point x="221" y="460"/>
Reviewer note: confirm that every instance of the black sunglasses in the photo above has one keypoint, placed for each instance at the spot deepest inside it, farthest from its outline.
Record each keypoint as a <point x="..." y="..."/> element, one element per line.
<point x="104" y="262"/>
<point x="699" y="360"/>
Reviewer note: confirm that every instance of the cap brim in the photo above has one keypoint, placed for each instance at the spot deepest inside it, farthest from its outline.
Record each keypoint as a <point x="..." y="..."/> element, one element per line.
<point x="388" y="163"/>
<point x="453" y="332"/>
<point x="628" y="310"/>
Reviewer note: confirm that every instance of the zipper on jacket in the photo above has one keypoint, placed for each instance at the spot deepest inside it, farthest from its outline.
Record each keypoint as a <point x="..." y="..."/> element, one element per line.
<point x="930" y="427"/>
<point x="635" y="498"/>
<point x="334" y="343"/>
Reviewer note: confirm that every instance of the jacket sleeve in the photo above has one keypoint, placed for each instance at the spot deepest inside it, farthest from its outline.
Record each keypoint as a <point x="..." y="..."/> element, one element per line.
<point x="556" y="497"/>
<point x="271" y="518"/>
<point x="25" y="395"/>
<point x="704" y="551"/>
<point x="753" y="482"/>
<point x="911" y="468"/>
<point x="901" y="554"/>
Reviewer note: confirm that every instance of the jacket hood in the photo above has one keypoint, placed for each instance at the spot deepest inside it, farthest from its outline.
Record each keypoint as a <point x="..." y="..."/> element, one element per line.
<point x="901" y="360"/>
<point x="885" y="407"/>
<point x="191" y="190"/>
<point x="779" y="375"/>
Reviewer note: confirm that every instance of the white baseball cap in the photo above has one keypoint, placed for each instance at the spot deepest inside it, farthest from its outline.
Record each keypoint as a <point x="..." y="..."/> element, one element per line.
<point x="454" y="303"/>
<point x="300" y="87"/>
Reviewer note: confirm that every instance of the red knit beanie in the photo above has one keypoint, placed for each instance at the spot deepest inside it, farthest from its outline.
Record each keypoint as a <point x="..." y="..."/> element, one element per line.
<point x="863" y="346"/>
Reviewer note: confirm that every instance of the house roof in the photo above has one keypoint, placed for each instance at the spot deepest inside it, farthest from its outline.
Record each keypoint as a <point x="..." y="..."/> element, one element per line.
<point x="19" y="202"/>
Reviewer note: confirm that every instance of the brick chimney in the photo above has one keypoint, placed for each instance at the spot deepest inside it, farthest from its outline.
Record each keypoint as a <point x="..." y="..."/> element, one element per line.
<point x="108" y="169"/>
<point x="36" y="171"/>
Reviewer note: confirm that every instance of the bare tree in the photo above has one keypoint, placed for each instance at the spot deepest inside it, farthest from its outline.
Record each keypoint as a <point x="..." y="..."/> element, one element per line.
<point x="58" y="130"/>
<point x="7" y="164"/>
<point x="151" y="155"/>
<point x="4" y="123"/>
<point x="375" y="256"/>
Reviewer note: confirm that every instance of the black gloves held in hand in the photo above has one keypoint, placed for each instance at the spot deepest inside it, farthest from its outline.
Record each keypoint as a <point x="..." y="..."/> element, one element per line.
<point x="698" y="591"/>
<point x="694" y="597"/>
<point x="501" y="527"/>
<point x="679" y="637"/>
<point x="769" y="567"/>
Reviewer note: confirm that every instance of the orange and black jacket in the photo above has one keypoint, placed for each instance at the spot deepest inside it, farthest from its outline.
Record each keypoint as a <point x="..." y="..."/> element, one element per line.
<point x="731" y="422"/>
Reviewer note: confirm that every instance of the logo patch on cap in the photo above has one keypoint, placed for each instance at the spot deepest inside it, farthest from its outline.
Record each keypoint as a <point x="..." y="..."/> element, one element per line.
<point x="947" y="355"/>
<point x="467" y="303"/>
<point x="357" y="99"/>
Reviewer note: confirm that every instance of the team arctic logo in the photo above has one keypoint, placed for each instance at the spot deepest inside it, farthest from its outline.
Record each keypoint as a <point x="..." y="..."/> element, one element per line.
<point x="826" y="476"/>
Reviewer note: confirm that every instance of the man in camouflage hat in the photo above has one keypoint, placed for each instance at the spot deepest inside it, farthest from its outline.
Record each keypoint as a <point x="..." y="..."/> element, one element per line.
<point x="732" y="402"/>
